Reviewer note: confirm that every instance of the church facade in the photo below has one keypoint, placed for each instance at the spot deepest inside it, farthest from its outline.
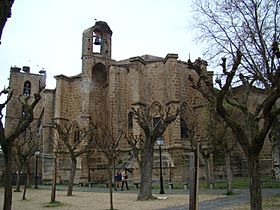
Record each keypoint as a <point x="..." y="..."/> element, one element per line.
<point x="108" y="89"/>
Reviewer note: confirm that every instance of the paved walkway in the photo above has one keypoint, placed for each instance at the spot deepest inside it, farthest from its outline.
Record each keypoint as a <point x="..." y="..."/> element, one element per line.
<point x="241" y="197"/>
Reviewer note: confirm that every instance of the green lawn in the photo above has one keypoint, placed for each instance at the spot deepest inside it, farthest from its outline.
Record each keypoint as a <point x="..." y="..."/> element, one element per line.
<point x="238" y="183"/>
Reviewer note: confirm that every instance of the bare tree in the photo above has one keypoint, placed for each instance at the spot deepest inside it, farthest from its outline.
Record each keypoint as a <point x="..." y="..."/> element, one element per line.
<point x="7" y="139"/>
<point x="25" y="147"/>
<point x="57" y="146"/>
<point x="153" y="120"/>
<point x="5" y="13"/>
<point x="223" y="140"/>
<point x="198" y="139"/>
<point x="106" y="139"/>
<point x="242" y="32"/>
<point x="73" y="137"/>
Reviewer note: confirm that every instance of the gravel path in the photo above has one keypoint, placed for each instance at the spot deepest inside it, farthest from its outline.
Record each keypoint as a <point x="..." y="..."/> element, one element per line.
<point x="86" y="198"/>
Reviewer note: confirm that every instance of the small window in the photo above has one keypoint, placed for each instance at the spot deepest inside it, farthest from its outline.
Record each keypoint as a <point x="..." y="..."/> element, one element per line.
<point x="76" y="135"/>
<point x="156" y="121"/>
<point x="27" y="88"/>
<point x="22" y="111"/>
<point x="184" y="129"/>
<point x="130" y="120"/>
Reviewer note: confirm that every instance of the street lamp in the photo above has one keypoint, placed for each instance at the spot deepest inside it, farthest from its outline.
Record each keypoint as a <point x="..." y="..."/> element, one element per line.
<point x="160" y="143"/>
<point x="37" y="153"/>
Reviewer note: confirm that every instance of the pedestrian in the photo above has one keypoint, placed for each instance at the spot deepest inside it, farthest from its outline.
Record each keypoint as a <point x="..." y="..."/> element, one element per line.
<point x="124" y="179"/>
<point x="118" y="179"/>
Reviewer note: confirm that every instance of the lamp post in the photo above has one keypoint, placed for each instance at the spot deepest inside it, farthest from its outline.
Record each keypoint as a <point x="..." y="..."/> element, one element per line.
<point x="37" y="153"/>
<point x="160" y="143"/>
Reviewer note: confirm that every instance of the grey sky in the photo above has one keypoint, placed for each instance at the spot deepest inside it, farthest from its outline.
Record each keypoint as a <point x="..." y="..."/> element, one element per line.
<point x="47" y="33"/>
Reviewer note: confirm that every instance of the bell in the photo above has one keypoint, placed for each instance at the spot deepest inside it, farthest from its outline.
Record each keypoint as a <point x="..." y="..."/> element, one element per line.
<point x="97" y="41"/>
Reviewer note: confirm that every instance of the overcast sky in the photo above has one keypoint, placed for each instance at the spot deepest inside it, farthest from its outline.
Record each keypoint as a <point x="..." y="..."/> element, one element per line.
<point x="48" y="33"/>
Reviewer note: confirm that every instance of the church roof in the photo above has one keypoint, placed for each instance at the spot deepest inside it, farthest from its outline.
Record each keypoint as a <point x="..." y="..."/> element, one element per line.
<point x="151" y="58"/>
<point x="146" y="58"/>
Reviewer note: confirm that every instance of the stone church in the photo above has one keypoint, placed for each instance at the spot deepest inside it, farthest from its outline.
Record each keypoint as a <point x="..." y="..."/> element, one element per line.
<point x="110" y="88"/>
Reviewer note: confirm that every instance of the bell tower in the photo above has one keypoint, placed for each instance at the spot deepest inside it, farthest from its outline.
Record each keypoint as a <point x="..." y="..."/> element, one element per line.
<point x="96" y="60"/>
<point x="96" y="36"/>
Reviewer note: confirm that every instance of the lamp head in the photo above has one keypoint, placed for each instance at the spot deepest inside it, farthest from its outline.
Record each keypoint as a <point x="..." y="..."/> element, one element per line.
<point x="159" y="141"/>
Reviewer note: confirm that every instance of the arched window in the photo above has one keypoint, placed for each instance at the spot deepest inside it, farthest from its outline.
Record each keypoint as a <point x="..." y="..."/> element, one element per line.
<point x="76" y="134"/>
<point x="157" y="121"/>
<point x="130" y="120"/>
<point x="27" y="88"/>
<point x="184" y="129"/>
<point x="99" y="75"/>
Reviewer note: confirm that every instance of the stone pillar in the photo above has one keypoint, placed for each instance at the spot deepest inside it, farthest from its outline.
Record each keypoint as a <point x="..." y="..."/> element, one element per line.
<point x="172" y="86"/>
<point x="136" y="79"/>
<point x="172" y="82"/>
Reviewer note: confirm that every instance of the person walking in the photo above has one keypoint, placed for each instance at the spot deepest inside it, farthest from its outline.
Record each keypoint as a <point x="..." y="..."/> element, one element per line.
<point x="124" y="179"/>
<point x="118" y="179"/>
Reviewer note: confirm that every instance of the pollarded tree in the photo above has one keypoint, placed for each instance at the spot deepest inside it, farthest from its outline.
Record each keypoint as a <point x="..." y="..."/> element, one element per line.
<point x="57" y="145"/>
<point x="74" y="139"/>
<point x="24" y="148"/>
<point x="153" y="120"/>
<point x="7" y="139"/>
<point x="106" y="139"/>
<point x="245" y="33"/>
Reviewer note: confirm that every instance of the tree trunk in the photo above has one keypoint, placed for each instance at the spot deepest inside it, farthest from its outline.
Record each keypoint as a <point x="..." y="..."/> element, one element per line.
<point x="207" y="170"/>
<point x="54" y="179"/>
<point x="25" y="186"/>
<point x="275" y="141"/>
<point x="18" y="180"/>
<point x="146" y="172"/>
<point x="8" y="194"/>
<point x="229" y="173"/>
<point x="194" y="180"/>
<point x="88" y="168"/>
<point x="255" y="182"/>
<point x="110" y="186"/>
<point x="72" y="176"/>
<point x="28" y="183"/>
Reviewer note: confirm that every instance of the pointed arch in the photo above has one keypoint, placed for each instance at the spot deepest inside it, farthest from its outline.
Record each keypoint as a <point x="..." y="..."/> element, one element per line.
<point x="157" y="112"/>
<point x="76" y="131"/>
<point x="99" y="75"/>
<point x="130" y="120"/>
<point x="185" y="119"/>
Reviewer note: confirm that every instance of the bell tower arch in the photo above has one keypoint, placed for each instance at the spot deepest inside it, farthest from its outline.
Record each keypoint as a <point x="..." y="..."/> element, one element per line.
<point x="97" y="36"/>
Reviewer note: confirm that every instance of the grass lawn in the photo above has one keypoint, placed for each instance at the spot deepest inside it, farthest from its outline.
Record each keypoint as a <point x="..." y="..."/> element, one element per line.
<point x="238" y="183"/>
